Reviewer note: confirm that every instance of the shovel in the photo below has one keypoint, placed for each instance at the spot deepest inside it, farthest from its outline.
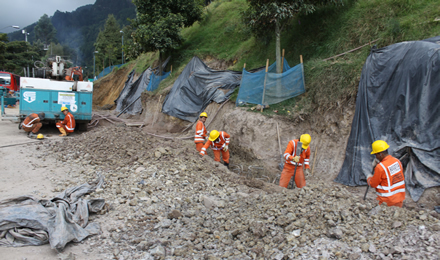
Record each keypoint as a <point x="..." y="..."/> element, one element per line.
<point x="298" y="152"/>
<point x="281" y="164"/>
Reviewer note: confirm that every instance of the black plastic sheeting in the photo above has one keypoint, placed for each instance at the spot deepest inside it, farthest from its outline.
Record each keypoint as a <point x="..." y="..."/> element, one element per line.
<point x="129" y="99"/>
<point x="398" y="101"/>
<point x="197" y="87"/>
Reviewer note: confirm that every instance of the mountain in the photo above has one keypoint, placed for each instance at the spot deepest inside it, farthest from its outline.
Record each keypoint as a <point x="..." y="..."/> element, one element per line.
<point x="79" y="29"/>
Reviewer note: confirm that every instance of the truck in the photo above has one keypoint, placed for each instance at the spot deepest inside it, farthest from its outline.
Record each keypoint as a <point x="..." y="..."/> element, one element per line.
<point x="52" y="87"/>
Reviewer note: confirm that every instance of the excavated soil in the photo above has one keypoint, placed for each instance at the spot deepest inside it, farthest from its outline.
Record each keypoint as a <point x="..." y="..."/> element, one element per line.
<point x="166" y="202"/>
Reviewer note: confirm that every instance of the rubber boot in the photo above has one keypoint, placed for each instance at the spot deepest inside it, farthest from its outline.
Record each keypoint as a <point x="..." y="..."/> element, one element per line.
<point x="226" y="164"/>
<point x="63" y="132"/>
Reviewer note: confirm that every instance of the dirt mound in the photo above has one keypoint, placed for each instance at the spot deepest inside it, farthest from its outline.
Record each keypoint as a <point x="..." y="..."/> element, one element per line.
<point x="107" y="89"/>
<point x="165" y="201"/>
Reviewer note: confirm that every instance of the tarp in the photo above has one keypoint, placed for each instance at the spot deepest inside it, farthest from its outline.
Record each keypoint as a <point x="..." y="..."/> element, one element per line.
<point x="28" y="221"/>
<point x="398" y="101"/>
<point x="107" y="70"/>
<point x="196" y="87"/>
<point x="129" y="98"/>
<point x="271" y="88"/>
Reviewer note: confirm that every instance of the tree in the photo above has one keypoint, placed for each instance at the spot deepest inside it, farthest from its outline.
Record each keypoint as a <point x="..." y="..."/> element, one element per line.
<point x="158" y="23"/>
<point x="108" y="42"/>
<point x="273" y="15"/>
<point x="45" y="31"/>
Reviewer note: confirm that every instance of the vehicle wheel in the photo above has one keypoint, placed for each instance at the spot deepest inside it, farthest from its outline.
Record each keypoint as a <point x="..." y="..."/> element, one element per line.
<point x="82" y="127"/>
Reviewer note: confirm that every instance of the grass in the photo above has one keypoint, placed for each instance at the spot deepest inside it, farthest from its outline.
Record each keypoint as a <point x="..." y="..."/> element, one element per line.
<point x="327" y="32"/>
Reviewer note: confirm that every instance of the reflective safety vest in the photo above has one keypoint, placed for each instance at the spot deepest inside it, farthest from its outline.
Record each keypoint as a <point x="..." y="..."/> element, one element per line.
<point x="30" y="120"/>
<point x="389" y="181"/>
<point x="69" y="122"/>
<point x="200" y="132"/>
<point x="221" y="142"/>
<point x="290" y="152"/>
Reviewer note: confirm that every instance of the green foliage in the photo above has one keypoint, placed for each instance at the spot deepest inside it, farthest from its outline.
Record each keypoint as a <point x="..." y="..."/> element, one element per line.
<point x="108" y="43"/>
<point x="79" y="29"/>
<point x="45" y="31"/>
<point x="158" y="23"/>
<point x="19" y="55"/>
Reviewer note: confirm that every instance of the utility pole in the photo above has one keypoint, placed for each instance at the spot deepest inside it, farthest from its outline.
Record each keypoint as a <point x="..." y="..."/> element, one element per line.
<point x="94" y="76"/>
<point x="122" y="48"/>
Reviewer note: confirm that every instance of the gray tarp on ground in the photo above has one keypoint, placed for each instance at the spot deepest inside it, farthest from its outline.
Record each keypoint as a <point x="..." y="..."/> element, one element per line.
<point x="26" y="220"/>
<point x="196" y="87"/>
<point x="398" y="101"/>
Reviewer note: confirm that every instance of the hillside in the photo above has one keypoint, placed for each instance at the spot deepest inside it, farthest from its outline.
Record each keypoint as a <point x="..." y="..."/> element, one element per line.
<point x="79" y="29"/>
<point x="326" y="109"/>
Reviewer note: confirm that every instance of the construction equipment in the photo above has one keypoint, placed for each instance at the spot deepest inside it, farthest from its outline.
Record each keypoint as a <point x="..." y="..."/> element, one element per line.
<point x="299" y="150"/>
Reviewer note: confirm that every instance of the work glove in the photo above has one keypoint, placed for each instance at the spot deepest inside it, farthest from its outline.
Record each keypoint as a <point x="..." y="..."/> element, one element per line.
<point x="225" y="149"/>
<point x="307" y="171"/>
<point x="295" y="159"/>
<point x="368" y="178"/>
<point x="374" y="162"/>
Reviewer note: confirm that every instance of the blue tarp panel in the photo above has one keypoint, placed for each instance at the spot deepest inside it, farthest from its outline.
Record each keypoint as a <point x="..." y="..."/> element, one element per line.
<point x="271" y="87"/>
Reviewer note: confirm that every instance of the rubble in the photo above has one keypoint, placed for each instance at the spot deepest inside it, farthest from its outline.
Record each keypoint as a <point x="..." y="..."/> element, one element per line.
<point x="167" y="203"/>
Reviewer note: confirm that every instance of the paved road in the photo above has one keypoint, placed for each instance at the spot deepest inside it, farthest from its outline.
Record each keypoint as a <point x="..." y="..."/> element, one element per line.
<point x="10" y="135"/>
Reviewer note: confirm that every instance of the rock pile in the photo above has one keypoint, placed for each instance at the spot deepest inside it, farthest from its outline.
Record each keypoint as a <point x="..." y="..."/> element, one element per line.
<point x="167" y="203"/>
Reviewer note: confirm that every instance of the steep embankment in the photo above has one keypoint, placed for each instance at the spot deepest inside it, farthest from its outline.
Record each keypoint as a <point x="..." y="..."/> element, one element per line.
<point x="325" y="110"/>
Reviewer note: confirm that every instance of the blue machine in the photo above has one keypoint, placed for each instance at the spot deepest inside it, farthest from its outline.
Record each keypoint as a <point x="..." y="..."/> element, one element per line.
<point x="48" y="96"/>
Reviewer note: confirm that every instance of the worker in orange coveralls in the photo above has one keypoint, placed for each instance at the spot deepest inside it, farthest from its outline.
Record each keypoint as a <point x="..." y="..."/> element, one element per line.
<point x="68" y="124"/>
<point x="301" y="160"/>
<point x="219" y="142"/>
<point x="32" y="124"/>
<point x="388" y="178"/>
<point x="201" y="132"/>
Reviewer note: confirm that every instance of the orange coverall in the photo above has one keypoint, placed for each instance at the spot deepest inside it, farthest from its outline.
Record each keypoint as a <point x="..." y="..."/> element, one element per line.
<point x="68" y="123"/>
<point x="217" y="147"/>
<point x="289" y="165"/>
<point x="200" y="135"/>
<point x="389" y="181"/>
<point x="32" y="123"/>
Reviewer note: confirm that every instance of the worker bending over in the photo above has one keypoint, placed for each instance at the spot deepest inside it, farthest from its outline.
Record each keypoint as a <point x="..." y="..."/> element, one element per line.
<point x="388" y="178"/>
<point x="32" y="124"/>
<point x="219" y="142"/>
<point x="201" y="132"/>
<point x="300" y="160"/>
<point x="68" y="124"/>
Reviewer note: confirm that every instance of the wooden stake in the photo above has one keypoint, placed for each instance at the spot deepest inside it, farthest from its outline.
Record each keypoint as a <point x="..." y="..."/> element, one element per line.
<point x="155" y="114"/>
<point x="171" y="71"/>
<point x="301" y="58"/>
<point x="282" y="63"/>
<point x="244" y="66"/>
<point x="264" y="89"/>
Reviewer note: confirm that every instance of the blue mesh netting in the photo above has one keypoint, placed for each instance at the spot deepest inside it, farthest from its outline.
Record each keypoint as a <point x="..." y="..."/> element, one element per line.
<point x="107" y="71"/>
<point x="271" y="87"/>
<point x="155" y="80"/>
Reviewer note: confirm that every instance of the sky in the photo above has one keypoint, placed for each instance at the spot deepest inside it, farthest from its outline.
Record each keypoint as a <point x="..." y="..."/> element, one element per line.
<point x="26" y="12"/>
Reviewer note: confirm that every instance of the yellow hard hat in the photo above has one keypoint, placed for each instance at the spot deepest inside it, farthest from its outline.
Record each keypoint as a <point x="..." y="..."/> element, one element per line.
<point x="213" y="135"/>
<point x="40" y="136"/>
<point x="63" y="108"/>
<point x="379" y="146"/>
<point x="305" y="139"/>
<point x="204" y="114"/>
